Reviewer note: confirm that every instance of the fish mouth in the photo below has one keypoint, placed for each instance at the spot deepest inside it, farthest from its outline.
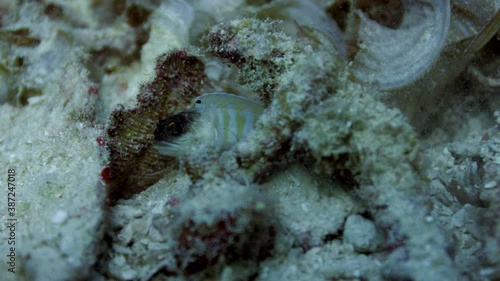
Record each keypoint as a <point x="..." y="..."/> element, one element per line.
<point x="167" y="148"/>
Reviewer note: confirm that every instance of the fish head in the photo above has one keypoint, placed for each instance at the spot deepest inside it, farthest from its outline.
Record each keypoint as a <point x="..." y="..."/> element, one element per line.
<point x="172" y="134"/>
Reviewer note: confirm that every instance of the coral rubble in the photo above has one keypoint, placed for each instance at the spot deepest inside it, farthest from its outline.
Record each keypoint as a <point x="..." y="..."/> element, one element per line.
<point x="134" y="163"/>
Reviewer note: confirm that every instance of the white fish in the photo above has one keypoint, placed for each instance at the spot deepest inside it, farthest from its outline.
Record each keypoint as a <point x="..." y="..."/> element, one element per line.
<point x="217" y="119"/>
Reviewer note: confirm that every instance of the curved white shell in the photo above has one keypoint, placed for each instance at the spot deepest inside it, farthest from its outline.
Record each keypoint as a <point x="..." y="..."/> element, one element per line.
<point x="392" y="58"/>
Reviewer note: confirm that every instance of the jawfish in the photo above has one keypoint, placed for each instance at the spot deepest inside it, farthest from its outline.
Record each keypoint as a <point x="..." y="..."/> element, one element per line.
<point x="216" y="119"/>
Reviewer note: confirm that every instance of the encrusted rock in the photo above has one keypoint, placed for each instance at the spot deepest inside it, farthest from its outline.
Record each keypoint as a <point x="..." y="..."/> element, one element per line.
<point x="361" y="233"/>
<point x="134" y="163"/>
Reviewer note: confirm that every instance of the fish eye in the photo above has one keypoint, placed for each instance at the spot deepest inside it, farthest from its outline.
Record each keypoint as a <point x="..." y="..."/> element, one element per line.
<point x="170" y="127"/>
<point x="174" y="129"/>
<point x="174" y="126"/>
<point x="198" y="101"/>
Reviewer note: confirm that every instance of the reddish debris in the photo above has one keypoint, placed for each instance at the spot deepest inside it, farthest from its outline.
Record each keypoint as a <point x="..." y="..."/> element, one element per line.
<point x="100" y="141"/>
<point x="123" y="86"/>
<point x="93" y="89"/>
<point x="173" y="201"/>
<point x="105" y="174"/>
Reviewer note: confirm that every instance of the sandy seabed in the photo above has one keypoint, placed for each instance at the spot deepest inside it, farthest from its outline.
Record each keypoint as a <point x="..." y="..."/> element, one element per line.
<point x="343" y="179"/>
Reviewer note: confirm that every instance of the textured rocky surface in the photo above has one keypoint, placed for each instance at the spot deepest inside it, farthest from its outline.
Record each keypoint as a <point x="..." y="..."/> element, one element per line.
<point x="335" y="182"/>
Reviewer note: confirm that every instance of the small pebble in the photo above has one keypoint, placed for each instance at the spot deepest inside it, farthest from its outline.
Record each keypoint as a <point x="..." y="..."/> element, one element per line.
<point x="490" y="184"/>
<point x="59" y="217"/>
<point x="361" y="233"/>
